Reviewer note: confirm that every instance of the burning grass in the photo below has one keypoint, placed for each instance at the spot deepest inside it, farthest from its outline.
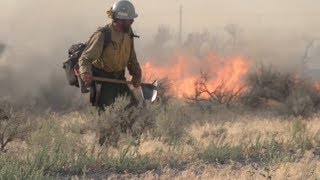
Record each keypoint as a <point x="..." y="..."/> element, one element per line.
<point x="183" y="70"/>
<point x="264" y="126"/>
<point x="213" y="80"/>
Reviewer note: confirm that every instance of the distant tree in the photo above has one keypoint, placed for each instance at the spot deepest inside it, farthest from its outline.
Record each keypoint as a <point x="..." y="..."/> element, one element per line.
<point x="195" y="41"/>
<point x="2" y="47"/>
<point x="159" y="46"/>
<point x="234" y="31"/>
<point x="162" y="36"/>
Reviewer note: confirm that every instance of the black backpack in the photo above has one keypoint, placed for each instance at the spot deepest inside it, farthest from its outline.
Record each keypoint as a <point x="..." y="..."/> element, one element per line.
<point x="71" y="66"/>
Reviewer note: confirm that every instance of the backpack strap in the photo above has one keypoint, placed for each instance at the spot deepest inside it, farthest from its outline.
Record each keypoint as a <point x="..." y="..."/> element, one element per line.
<point x="107" y="35"/>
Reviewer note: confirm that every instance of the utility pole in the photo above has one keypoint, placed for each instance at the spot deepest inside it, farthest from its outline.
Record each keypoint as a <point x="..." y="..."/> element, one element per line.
<point x="180" y="26"/>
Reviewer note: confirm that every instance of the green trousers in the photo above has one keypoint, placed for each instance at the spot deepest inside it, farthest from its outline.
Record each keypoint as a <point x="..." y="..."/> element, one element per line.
<point x="108" y="92"/>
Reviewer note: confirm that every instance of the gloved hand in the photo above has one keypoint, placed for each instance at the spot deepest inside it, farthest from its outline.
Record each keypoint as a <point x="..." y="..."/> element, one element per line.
<point x="87" y="78"/>
<point x="136" y="82"/>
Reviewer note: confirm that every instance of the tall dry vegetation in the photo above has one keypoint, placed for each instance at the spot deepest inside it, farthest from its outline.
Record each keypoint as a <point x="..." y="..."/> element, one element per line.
<point x="294" y="94"/>
<point x="155" y="135"/>
<point x="14" y="125"/>
<point x="297" y="94"/>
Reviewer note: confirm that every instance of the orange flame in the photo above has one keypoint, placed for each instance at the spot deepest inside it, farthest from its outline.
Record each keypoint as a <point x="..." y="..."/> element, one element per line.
<point x="317" y="86"/>
<point x="184" y="70"/>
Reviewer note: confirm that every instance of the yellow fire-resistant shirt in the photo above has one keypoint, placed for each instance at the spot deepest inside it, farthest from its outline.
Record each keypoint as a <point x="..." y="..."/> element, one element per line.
<point x="116" y="56"/>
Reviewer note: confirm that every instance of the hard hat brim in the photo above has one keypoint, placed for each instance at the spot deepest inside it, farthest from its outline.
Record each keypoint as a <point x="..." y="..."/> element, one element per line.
<point x="127" y="17"/>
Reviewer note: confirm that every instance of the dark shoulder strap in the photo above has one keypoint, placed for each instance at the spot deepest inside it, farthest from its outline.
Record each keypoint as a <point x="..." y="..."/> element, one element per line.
<point x="107" y="35"/>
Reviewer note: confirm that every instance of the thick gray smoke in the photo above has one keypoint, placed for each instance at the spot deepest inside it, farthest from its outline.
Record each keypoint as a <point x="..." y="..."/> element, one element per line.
<point x="38" y="33"/>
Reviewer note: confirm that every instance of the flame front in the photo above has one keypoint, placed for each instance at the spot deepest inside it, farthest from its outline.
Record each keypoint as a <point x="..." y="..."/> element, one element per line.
<point x="184" y="70"/>
<point x="317" y="86"/>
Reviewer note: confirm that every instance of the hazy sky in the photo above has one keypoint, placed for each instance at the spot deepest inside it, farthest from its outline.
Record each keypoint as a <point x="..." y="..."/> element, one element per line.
<point x="40" y="24"/>
<point x="197" y="14"/>
<point x="39" y="32"/>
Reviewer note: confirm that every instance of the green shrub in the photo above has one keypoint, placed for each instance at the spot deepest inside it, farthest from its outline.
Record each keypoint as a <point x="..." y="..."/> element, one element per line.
<point x="222" y="154"/>
<point x="55" y="153"/>
<point x="11" y="167"/>
<point x="124" y="118"/>
<point x="269" y="153"/>
<point x="171" y="123"/>
<point x="299" y="102"/>
<point x="317" y="151"/>
<point x="299" y="137"/>
<point x="129" y="161"/>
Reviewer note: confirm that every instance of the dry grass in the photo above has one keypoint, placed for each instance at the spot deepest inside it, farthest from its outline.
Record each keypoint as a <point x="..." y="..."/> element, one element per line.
<point x="220" y="144"/>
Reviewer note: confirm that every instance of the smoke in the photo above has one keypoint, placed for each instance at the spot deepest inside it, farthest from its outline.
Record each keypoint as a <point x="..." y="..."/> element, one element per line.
<point x="37" y="35"/>
<point x="283" y="50"/>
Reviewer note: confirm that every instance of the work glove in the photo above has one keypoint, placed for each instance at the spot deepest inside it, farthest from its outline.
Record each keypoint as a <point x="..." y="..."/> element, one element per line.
<point x="136" y="82"/>
<point x="87" y="78"/>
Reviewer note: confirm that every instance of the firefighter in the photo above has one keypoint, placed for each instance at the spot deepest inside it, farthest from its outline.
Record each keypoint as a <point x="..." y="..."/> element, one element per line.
<point x="110" y="61"/>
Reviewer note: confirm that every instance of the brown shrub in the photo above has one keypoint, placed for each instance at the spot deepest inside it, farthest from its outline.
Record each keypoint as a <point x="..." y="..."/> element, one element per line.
<point x="297" y="94"/>
<point x="164" y="94"/>
<point x="221" y="95"/>
<point x="13" y="125"/>
<point x="123" y="118"/>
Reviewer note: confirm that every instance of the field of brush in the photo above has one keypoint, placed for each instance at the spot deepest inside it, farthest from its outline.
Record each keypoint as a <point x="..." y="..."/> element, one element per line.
<point x="270" y="130"/>
<point x="172" y="140"/>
